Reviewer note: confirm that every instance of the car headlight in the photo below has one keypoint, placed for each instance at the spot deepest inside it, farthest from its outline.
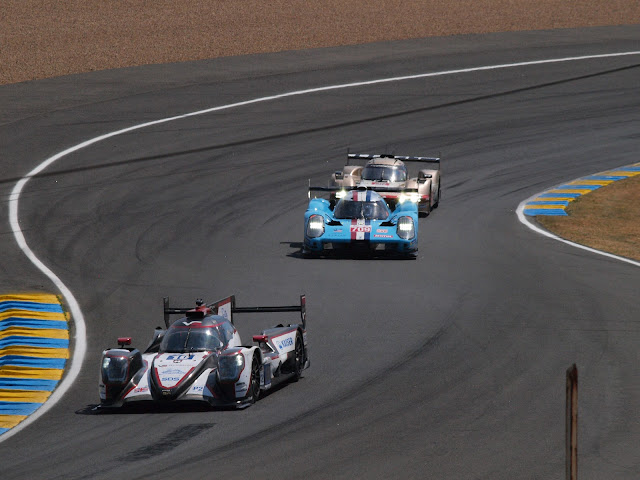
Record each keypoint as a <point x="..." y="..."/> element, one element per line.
<point x="315" y="226"/>
<point x="406" y="228"/>
<point x="115" y="370"/>
<point x="413" y="197"/>
<point x="230" y="367"/>
<point x="341" y="194"/>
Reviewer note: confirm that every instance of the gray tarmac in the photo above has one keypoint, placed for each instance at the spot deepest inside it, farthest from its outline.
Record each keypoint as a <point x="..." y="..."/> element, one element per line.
<point x="449" y="366"/>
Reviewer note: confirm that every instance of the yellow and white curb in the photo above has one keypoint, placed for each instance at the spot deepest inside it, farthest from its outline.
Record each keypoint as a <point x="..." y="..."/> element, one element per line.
<point x="34" y="348"/>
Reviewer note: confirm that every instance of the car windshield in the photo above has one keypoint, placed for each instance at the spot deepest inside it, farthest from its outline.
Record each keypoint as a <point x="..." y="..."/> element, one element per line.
<point x="346" y="209"/>
<point x="183" y="339"/>
<point x="384" y="172"/>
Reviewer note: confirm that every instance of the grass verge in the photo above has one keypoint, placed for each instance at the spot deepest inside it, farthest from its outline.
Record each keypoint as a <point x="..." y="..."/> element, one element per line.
<point x="606" y="219"/>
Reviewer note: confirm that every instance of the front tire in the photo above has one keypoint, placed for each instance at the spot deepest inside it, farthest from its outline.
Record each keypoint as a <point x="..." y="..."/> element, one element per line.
<point x="426" y="211"/>
<point x="309" y="253"/>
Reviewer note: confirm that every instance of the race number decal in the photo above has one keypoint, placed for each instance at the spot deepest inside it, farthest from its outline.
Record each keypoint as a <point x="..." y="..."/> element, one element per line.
<point x="360" y="229"/>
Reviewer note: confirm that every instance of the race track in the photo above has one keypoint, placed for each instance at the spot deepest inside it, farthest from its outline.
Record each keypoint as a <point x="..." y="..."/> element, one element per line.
<point x="450" y="366"/>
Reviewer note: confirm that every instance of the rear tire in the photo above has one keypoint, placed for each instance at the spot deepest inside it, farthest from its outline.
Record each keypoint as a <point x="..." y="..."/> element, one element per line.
<point x="254" y="383"/>
<point x="299" y="359"/>
<point x="437" y="202"/>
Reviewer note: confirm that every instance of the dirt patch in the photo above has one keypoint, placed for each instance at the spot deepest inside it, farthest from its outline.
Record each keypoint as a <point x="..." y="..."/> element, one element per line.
<point x="47" y="38"/>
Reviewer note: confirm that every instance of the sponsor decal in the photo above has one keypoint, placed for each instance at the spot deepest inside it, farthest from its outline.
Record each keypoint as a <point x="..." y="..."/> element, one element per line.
<point x="179" y="358"/>
<point x="197" y="389"/>
<point x="287" y="342"/>
<point x="383" y="236"/>
<point x="169" y="379"/>
<point x="188" y="324"/>
<point x="382" y="230"/>
<point x="223" y="311"/>
<point x="174" y="371"/>
<point x="338" y="230"/>
<point x="141" y="390"/>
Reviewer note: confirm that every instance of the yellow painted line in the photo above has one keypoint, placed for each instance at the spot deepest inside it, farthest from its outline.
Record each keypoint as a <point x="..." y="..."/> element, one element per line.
<point x="10" y="421"/>
<point x="33" y="314"/>
<point x="30" y="372"/>
<point x="554" y="199"/>
<point x="590" y="182"/>
<point x="31" y="297"/>
<point x="30" y="396"/>
<point x="35" y="332"/>
<point x="617" y="173"/>
<point x="547" y="207"/>
<point x="580" y="190"/>
<point x="44" y="352"/>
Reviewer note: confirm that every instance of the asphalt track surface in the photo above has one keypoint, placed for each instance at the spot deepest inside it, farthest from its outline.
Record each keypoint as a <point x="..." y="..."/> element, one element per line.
<point x="449" y="366"/>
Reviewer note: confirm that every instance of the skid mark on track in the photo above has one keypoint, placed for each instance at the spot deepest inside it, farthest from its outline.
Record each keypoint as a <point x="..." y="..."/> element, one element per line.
<point x="168" y="442"/>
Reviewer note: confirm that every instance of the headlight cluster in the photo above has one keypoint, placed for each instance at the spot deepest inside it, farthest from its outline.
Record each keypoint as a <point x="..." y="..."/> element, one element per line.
<point x="115" y="370"/>
<point x="406" y="228"/>
<point x="230" y="367"/>
<point x="341" y="194"/>
<point x="315" y="226"/>
<point x="413" y="197"/>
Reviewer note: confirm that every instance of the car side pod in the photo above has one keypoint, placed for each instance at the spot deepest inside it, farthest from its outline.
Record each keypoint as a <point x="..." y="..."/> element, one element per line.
<point x="118" y="368"/>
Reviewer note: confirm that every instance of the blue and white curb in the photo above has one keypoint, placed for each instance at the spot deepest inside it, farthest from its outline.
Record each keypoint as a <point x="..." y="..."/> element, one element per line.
<point x="556" y="200"/>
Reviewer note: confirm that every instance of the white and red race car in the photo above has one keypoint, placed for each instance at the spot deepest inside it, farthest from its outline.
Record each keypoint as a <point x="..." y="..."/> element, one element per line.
<point x="201" y="358"/>
<point x="389" y="172"/>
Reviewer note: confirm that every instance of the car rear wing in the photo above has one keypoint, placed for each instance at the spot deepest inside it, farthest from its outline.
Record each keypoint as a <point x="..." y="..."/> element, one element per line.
<point x="404" y="158"/>
<point x="361" y="188"/>
<point x="227" y="307"/>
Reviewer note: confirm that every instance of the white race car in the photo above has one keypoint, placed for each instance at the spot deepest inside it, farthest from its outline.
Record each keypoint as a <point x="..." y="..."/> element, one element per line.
<point x="200" y="357"/>
<point x="389" y="172"/>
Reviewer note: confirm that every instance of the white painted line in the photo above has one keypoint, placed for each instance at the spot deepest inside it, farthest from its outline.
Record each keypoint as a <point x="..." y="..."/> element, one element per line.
<point x="76" y="313"/>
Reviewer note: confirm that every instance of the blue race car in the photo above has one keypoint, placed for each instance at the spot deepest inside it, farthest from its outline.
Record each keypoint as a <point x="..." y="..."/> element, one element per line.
<point x="362" y="222"/>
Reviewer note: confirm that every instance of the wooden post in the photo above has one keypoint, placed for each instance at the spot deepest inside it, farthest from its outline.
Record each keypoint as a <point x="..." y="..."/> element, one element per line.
<point x="572" y="423"/>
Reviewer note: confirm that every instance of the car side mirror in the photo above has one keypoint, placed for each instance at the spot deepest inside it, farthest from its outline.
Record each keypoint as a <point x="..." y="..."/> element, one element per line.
<point x="339" y="175"/>
<point x="422" y="177"/>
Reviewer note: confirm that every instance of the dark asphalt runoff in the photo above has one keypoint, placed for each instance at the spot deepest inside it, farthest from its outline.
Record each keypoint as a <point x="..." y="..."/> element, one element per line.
<point x="451" y="366"/>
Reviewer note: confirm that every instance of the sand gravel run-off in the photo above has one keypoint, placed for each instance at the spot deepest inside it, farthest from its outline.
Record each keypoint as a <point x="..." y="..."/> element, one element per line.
<point x="47" y="38"/>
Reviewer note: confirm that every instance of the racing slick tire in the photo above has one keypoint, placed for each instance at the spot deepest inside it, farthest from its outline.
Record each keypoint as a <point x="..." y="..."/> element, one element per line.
<point x="426" y="212"/>
<point x="299" y="359"/>
<point x="437" y="202"/>
<point x="254" y="387"/>
<point x="308" y="254"/>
